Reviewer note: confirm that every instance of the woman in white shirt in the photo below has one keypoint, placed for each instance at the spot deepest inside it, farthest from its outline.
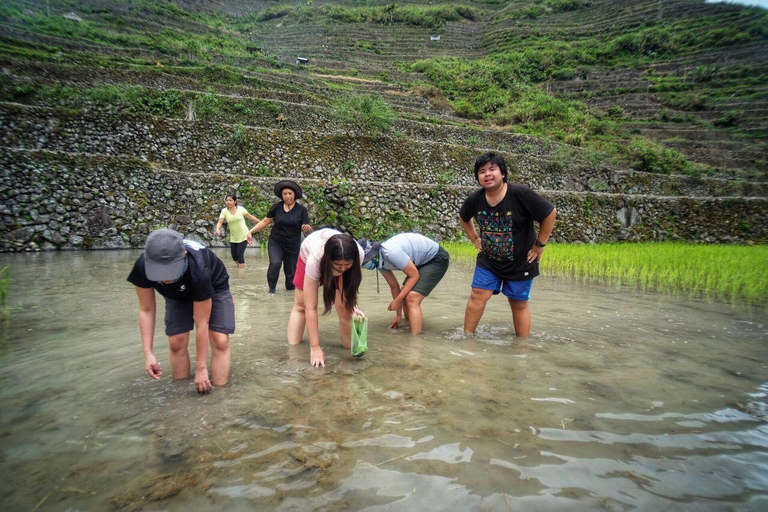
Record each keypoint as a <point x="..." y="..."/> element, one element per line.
<point x="330" y="259"/>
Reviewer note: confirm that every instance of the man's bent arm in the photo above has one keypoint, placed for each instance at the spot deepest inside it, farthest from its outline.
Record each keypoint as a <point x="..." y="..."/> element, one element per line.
<point x="147" y="310"/>
<point x="469" y="229"/>
<point x="202" y="313"/>
<point x="146" y="317"/>
<point x="545" y="231"/>
<point x="413" y="277"/>
<point x="394" y="288"/>
<point x="546" y="226"/>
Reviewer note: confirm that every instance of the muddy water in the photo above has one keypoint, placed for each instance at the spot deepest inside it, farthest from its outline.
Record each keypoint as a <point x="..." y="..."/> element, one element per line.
<point x="619" y="401"/>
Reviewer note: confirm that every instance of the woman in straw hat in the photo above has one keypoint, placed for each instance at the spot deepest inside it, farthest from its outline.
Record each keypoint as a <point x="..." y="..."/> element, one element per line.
<point x="290" y="219"/>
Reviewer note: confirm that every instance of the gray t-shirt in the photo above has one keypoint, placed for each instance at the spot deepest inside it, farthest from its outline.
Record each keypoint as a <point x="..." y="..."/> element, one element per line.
<point x="398" y="250"/>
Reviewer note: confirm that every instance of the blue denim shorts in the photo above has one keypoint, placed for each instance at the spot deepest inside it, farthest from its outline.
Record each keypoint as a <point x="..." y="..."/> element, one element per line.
<point x="484" y="279"/>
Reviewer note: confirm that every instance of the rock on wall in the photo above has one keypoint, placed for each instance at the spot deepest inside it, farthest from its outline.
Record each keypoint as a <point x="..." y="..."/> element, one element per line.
<point x="55" y="201"/>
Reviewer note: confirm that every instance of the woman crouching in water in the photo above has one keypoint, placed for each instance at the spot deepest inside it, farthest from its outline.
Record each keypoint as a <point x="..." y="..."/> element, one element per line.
<point x="330" y="259"/>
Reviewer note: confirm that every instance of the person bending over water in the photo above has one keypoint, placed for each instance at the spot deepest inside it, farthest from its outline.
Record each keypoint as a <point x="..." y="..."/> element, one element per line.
<point x="291" y="219"/>
<point x="332" y="260"/>
<point x="195" y="284"/>
<point x="424" y="263"/>
<point x="508" y="246"/>
<point x="234" y="216"/>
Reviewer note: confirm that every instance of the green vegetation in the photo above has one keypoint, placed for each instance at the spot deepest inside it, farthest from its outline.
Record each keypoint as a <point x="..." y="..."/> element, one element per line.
<point x="505" y="87"/>
<point x="5" y="284"/>
<point x="432" y="16"/>
<point x="238" y="139"/>
<point x="127" y="99"/>
<point x="724" y="272"/>
<point x="730" y="273"/>
<point x="649" y="156"/>
<point x="368" y="113"/>
<point x="210" y="41"/>
<point x="144" y="100"/>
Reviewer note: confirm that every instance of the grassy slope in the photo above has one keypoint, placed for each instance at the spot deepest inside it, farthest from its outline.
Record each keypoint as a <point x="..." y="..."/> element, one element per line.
<point x="521" y="50"/>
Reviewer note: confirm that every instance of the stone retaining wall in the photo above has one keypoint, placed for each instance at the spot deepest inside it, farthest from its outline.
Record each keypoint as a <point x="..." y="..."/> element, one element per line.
<point x="66" y="202"/>
<point x="220" y="148"/>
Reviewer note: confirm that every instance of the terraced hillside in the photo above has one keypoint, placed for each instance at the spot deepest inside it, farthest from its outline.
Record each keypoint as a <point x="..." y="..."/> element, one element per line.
<point x="117" y="118"/>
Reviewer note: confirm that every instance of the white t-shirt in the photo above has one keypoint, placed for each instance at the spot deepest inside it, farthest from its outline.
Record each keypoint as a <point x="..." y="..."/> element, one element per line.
<point x="313" y="248"/>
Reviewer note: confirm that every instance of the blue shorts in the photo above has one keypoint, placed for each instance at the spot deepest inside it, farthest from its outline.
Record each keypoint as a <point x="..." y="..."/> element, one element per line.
<point x="484" y="279"/>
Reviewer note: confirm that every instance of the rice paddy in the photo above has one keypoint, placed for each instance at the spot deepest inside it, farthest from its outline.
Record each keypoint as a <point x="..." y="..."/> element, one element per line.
<point x="730" y="273"/>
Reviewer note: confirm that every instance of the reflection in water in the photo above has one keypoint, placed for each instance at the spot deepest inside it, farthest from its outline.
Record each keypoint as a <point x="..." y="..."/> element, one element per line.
<point x="619" y="400"/>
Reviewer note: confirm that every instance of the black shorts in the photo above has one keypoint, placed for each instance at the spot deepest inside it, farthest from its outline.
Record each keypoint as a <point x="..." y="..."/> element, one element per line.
<point x="179" y="314"/>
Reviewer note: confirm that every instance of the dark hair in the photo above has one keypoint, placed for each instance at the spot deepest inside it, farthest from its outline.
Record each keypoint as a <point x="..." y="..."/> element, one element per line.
<point x="340" y="247"/>
<point x="232" y="195"/>
<point x="494" y="158"/>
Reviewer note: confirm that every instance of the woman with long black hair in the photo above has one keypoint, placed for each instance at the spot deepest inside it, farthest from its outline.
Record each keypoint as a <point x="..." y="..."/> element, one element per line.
<point x="330" y="259"/>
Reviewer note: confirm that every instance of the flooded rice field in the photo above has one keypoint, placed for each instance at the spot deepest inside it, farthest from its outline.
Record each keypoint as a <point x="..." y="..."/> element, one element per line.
<point x="620" y="400"/>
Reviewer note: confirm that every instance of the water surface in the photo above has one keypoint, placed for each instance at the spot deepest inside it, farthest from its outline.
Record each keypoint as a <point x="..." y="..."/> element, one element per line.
<point x="619" y="400"/>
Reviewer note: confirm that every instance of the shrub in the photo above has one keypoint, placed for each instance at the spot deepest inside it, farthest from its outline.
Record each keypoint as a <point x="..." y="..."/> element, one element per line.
<point x="727" y="119"/>
<point x="563" y="74"/>
<point x="206" y="105"/>
<point x="615" y="112"/>
<point x="158" y="103"/>
<point x="239" y="136"/>
<point x="648" y="156"/>
<point x="705" y="73"/>
<point x="367" y="112"/>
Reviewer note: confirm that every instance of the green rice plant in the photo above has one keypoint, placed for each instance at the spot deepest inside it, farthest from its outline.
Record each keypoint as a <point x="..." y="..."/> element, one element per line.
<point x="464" y="252"/>
<point x="734" y="273"/>
<point x="5" y="284"/>
<point x="731" y="273"/>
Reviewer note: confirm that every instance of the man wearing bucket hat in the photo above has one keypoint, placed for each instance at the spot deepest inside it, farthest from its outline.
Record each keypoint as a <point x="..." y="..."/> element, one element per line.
<point x="290" y="219"/>
<point x="422" y="260"/>
<point x="195" y="284"/>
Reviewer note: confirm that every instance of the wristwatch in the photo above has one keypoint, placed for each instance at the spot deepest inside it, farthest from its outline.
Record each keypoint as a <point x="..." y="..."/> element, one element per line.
<point x="539" y="244"/>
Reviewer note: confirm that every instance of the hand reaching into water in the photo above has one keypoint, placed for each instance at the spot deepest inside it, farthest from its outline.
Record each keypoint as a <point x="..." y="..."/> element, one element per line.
<point x="317" y="358"/>
<point x="153" y="367"/>
<point x="394" y="305"/>
<point x="202" y="382"/>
